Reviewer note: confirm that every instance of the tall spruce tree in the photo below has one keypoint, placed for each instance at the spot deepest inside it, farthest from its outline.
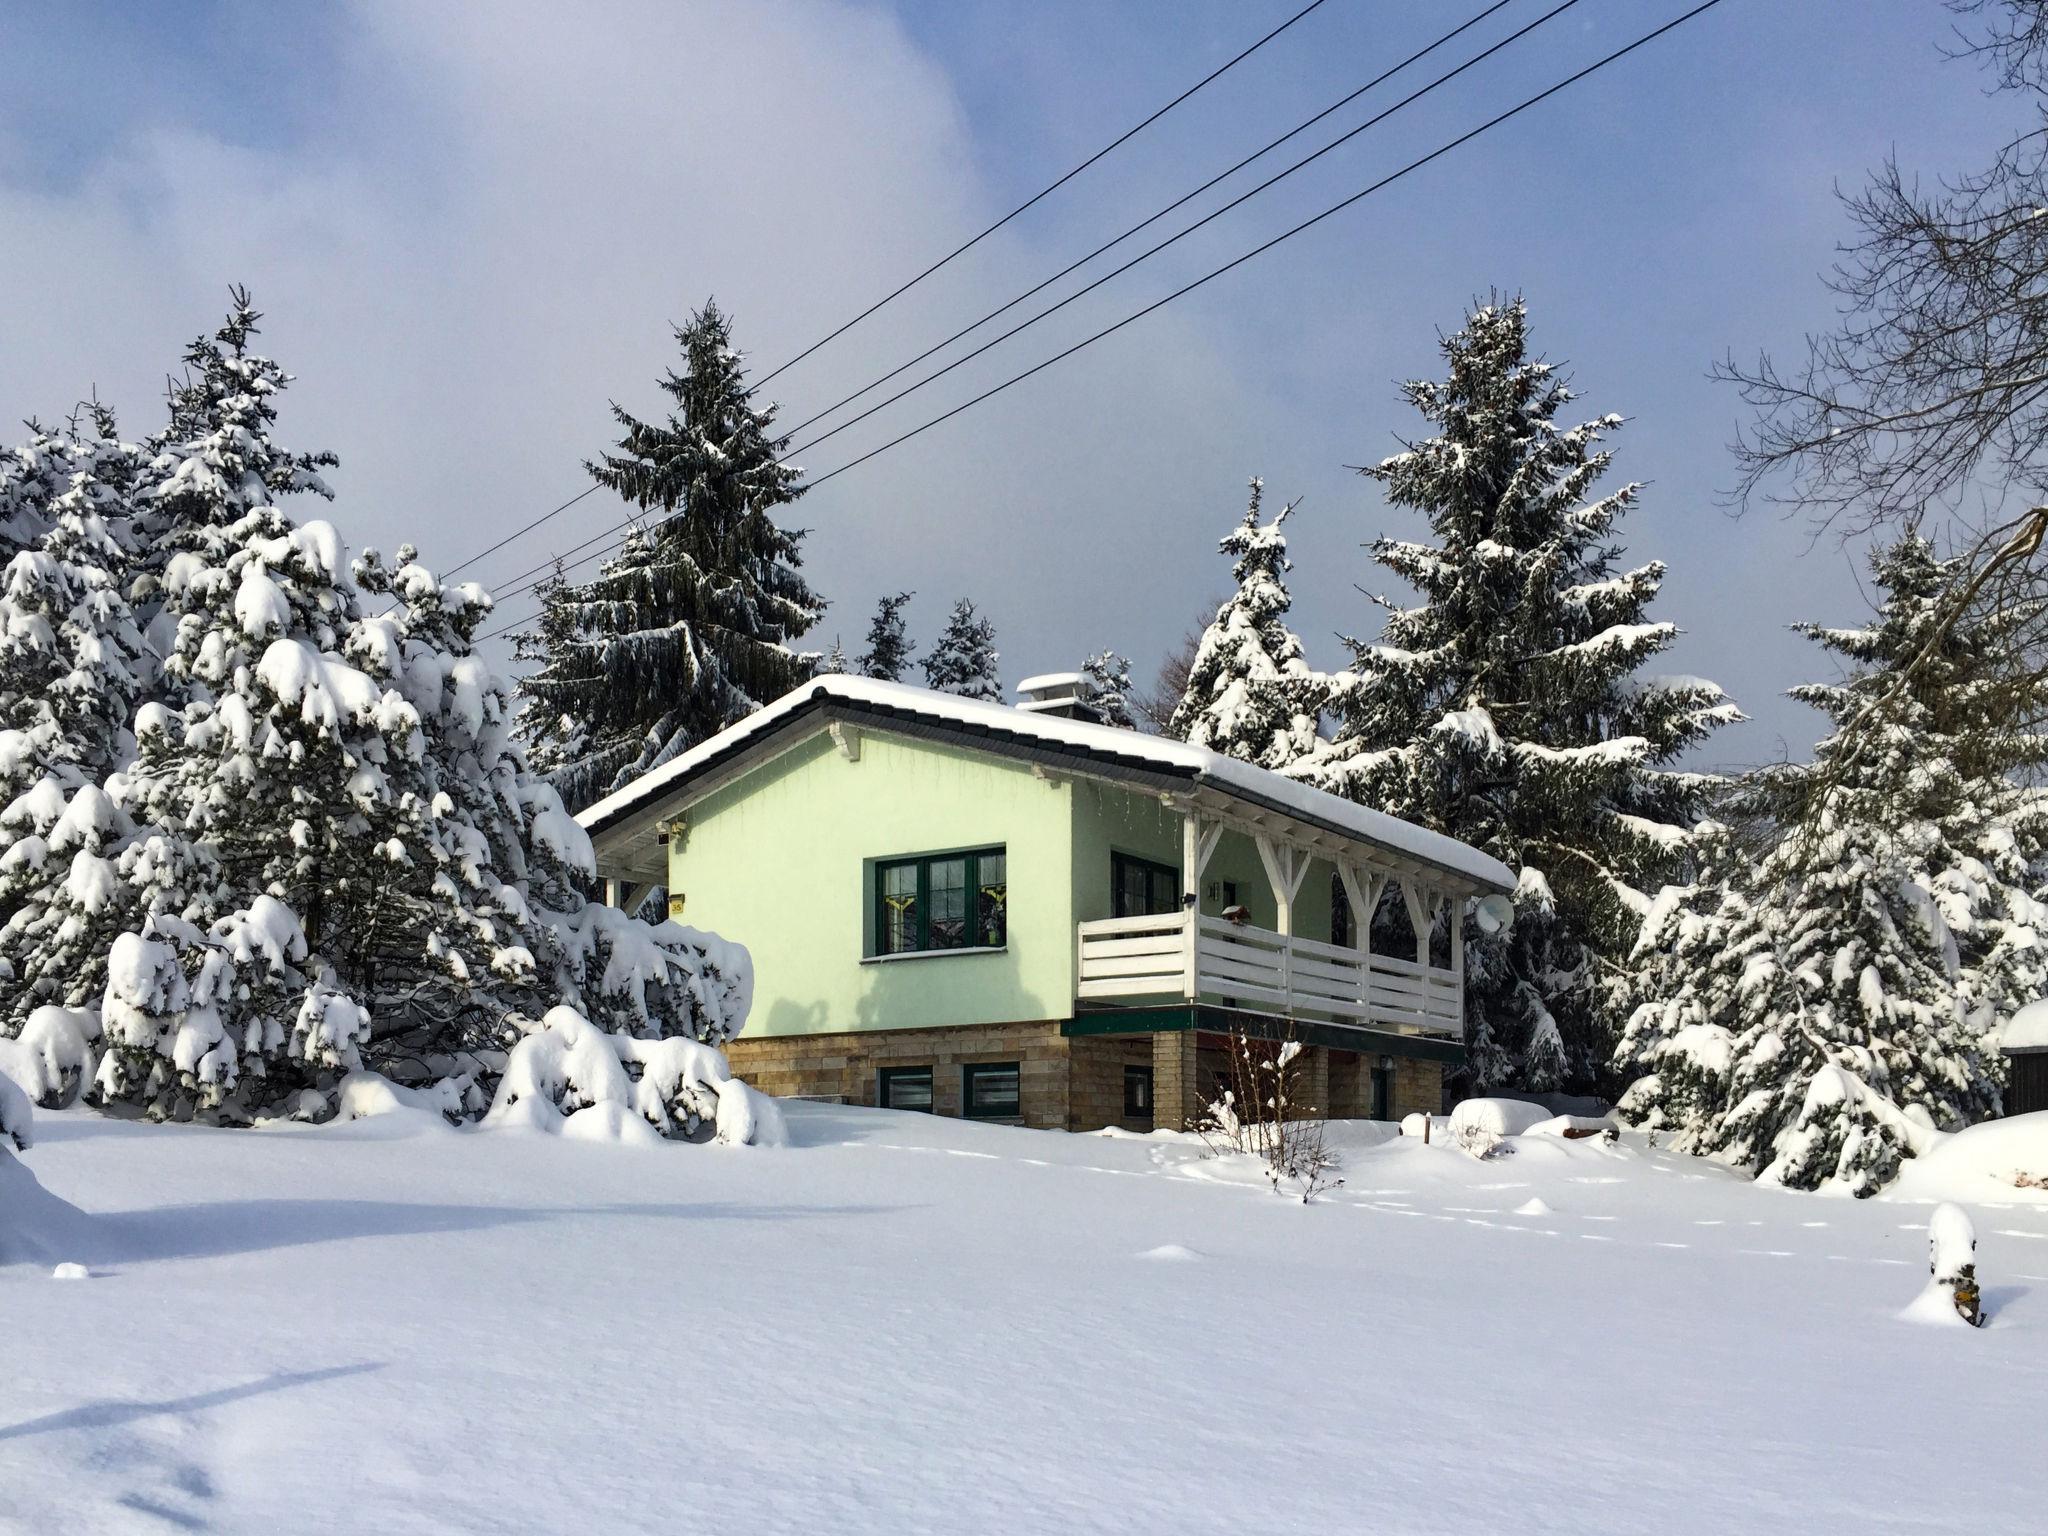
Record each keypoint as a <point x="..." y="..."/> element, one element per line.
<point x="964" y="658"/>
<point x="1250" y="692"/>
<point x="1507" y="707"/>
<point x="889" y="649"/>
<point x="1812" y="1016"/>
<point x="689" y="628"/>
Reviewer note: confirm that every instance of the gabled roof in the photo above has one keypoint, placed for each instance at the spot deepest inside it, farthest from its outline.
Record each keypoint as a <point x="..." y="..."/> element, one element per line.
<point x="1103" y="751"/>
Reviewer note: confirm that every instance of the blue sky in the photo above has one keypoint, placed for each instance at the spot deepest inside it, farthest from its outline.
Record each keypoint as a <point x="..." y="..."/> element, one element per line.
<point x="470" y="228"/>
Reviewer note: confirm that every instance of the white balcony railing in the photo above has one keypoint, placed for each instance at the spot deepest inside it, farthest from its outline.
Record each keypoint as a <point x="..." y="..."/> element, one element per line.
<point x="1235" y="965"/>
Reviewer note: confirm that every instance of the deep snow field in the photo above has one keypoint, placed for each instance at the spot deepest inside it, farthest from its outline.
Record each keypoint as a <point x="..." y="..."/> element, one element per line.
<point x="900" y="1323"/>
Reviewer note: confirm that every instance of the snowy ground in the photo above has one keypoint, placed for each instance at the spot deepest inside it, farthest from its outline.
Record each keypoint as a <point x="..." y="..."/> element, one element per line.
<point x="908" y="1324"/>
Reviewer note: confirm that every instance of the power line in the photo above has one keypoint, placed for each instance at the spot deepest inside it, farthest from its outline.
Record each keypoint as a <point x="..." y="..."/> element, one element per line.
<point x="519" y="582"/>
<point x="1210" y="217"/>
<point x="1207" y="79"/>
<point x="1042" y="193"/>
<point x="1306" y="224"/>
<point x="521" y="532"/>
<point x="1299" y="128"/>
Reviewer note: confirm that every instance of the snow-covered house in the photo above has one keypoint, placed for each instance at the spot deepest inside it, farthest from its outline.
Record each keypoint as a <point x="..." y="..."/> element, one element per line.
<point x="1015" y="914"/>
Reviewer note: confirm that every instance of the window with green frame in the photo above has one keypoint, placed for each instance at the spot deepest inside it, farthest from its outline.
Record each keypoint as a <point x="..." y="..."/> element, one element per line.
<point x="1141" y="887"/>
<point x="942" y="901"/>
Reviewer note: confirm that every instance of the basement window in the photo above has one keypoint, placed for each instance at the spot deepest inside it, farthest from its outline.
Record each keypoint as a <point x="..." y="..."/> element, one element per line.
<point x="1137" y="1093"/>
<point x="990" y="1090"/>
<point x="904" y="1088"/>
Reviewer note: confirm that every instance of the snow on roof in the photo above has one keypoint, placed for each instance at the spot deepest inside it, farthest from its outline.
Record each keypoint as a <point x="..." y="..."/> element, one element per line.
<point x="2026" y="1030"/>
<point x="1211" y="768"/>
<point x="1049" y="680"/>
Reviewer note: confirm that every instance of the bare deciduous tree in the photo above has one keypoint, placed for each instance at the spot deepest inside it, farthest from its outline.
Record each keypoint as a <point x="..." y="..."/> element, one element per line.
<point x="1154" y="706"/>
<point x="1931" y="391"/>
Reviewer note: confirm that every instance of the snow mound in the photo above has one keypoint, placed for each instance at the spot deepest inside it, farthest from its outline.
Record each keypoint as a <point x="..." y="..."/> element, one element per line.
<point x="1497" y="1117"/>
<point x="613" y="1122"/>
<point x="53" y="1055"/>
<point x="1569" y="1126"/>
<point x="365" y="1095"/>
<point x="1992" y="1161"/>
<point x="2026" y="1030"/>
<point x="1171" y="1253"/>
<point x="1533" y="1206"/>
<point x="70" y="1272"/>
<point x="36" y="1226"/>
<point x="17" y="1117"/>
<point x="1935" y="1307"/>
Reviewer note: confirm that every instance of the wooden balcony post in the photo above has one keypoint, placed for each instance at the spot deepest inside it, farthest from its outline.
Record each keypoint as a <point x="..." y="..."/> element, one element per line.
<point x="1286" y="867"/>
<point x="1191" y="861"/>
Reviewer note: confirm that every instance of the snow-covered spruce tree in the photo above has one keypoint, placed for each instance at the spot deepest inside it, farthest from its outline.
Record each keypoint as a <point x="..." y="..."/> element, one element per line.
<point x="1109" y="679"/>
<point x="1815" y="1016"/>
<point x="835" y="663"/>
<point x="888" y="654"/>
<point x="963" y="659"/>
<point x="688" y="629"/>
<point x="72" y="660"/>
<point x="1507" y="707"/>
<point x="486" y="918"/>
<point x="579" y="755"/>
<point x="72" y="665"/>
<point x="1250" y="693"/>
<point x="214" y="462"/>
<point x="32" y="476"/>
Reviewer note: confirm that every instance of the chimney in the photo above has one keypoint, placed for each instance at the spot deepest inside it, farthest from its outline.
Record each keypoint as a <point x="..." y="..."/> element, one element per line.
<point x="1068" y="695"/>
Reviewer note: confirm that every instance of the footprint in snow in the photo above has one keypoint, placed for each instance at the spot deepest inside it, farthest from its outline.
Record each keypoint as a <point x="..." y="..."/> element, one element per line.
<point x="1170" y="1253"/>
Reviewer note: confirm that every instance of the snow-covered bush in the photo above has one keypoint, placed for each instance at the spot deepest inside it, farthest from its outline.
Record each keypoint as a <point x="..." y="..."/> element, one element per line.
<point x="52" y="1059"/>
<point x="568" y="1075"/>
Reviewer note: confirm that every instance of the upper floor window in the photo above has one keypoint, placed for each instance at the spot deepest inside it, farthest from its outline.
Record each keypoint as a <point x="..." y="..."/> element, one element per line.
<point x="1142" y="888"/>
<point x="942" y="901"/>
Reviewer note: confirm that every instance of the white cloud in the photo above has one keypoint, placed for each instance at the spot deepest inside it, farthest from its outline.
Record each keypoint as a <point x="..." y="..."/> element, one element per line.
<point x="490" y="240"/>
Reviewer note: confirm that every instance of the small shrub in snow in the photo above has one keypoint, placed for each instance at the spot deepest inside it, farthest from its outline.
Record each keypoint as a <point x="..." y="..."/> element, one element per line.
<point x="1260" y="1112"/>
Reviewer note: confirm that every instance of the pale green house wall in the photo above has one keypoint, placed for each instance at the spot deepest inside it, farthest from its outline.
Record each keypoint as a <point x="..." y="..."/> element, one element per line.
<point x="781" y="861"/>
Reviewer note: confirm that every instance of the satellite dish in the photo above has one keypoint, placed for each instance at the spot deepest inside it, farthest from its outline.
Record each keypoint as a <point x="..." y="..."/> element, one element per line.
<point x="1496" y="914"/>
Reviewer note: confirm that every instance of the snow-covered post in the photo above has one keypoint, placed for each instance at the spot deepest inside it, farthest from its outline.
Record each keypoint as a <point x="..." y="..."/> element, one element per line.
<point x="1952" y="1258"/>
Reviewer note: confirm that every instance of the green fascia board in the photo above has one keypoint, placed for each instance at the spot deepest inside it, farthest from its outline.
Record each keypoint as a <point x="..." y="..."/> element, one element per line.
<point x="1263" y="1026"/>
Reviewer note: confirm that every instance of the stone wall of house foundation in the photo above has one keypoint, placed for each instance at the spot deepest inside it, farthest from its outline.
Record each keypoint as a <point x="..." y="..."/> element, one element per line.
<point x="1418" y="1087"/>
<point x="1176" y="1099"/>
<point x="1095" y="1083"/>
<point x="846" y="1066"/>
